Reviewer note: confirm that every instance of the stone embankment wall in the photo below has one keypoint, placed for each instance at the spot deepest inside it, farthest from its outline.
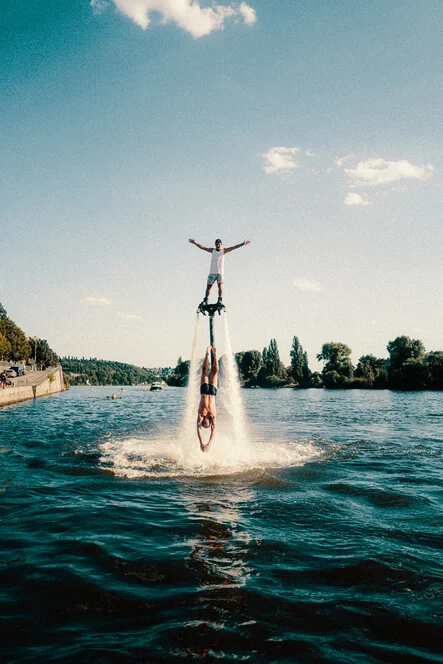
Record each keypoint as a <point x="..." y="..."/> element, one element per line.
<point x="34" y="384"/>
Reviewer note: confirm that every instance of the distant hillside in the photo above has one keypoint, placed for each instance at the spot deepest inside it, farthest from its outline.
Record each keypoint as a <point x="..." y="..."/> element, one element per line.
<point x="104" y="372"/>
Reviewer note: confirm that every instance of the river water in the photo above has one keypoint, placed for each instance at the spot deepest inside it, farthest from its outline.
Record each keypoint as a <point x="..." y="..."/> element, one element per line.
<point x="313" y="536"/>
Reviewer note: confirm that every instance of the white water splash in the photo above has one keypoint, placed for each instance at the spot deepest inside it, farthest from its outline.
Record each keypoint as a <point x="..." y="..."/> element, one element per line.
<point x="230" y="394"/>
<point x="142" y="457"/>
<point x="192" y="390"/>
<point x="235" y="448"/>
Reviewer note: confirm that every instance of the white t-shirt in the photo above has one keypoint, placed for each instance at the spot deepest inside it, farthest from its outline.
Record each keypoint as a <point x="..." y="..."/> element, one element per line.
<point x="217" y="262"/>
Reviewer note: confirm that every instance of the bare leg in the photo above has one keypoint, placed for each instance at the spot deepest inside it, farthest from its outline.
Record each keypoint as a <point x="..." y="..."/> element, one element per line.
<point x="220" y="290"/>
<point x="208" y="290"/>
<point x="205" y="365"/>
<point x="213" y="379"/>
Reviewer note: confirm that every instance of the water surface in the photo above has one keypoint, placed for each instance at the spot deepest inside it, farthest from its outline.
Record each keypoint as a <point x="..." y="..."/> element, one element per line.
<point x="316" y="538"/>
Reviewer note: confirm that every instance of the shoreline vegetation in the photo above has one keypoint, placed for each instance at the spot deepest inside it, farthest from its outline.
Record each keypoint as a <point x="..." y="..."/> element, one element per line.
<point x="17" y="348"/>
<point x="408" y="367"/>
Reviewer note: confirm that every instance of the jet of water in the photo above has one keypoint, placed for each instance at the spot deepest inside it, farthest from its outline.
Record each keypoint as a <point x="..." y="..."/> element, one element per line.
<point x="192" y="394"/>
<point x="230" y="394"/>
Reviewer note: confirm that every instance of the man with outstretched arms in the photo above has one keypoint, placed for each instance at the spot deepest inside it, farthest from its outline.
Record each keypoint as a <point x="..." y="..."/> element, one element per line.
<point x="207" y="411"/>
<point x="216" y="270"/>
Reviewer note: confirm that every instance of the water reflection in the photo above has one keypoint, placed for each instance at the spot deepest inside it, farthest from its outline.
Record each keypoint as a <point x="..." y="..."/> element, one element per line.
<point x="220" y="551"/>
<point x="219" y="554"/>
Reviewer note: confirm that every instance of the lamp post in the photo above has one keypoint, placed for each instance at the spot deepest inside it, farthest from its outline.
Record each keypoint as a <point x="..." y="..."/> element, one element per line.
<point x="34" y="367"/>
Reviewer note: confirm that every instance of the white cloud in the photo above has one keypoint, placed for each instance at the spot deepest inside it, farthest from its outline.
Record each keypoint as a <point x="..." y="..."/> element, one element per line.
<point x="309" y="153"/>
<point x="96" y="301"/>
<point x="187" y="14"/>
<point x="341" y="160"/>
<point x="129" y="316"/>
<point x="280" y="159"/>
<point x="355" y="199"/>
<point x="374" y="172"/>
<point x="248" y="13"/>
<point x="308" y="285"/>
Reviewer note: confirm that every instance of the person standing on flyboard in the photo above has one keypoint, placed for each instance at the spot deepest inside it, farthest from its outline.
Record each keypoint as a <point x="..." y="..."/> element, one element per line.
<point x="216" y="270"/>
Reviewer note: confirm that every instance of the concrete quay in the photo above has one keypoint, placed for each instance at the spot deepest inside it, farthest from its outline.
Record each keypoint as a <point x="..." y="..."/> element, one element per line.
<point x="34" y="384"/>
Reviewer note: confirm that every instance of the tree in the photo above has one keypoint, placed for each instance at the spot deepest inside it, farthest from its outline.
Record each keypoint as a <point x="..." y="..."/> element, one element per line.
<point x="5" y="348"/>
<point x="337" y="360"/>
<point x="20" y="349"/>
<point x="407" y="370"/>
<point x="297" y="363"/>
<point x="307" y="373"/>
<point x="299" y="369"/>
<point x="405" y="348"/>
<point x="250" y="365"/>
<point x="272" y="372"/>
<point x="372" y="371"/>
<point x="182" y="368"/>
<point x="434" y="364"/>
<point x="43" y="354"/>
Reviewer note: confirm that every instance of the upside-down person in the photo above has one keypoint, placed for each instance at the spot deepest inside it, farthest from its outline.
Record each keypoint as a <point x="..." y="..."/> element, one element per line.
<point x="216" y="270"/>
<point x="207" y="412"/>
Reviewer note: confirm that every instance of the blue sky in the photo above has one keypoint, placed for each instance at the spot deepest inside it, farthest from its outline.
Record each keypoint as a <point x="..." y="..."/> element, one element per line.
<point x="311" y="127"/>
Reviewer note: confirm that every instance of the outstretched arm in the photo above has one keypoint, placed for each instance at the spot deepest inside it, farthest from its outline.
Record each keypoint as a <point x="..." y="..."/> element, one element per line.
<point x="200" y="246"/>
<point x="237" y="246"/>
<point x="212" y="434"/>
<point x="199" y="421"/>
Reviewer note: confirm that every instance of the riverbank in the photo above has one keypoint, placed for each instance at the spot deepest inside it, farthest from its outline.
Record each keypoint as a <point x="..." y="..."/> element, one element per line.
<point x="34" y="384"/>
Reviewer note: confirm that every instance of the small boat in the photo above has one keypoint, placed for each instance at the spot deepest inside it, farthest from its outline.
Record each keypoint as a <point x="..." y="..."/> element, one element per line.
<point x="155" y="386"/>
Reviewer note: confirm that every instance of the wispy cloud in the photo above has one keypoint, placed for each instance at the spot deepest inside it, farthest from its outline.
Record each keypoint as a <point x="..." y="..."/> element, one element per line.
<point x="355" y="199"/>
<point x="378" y="171"/>
<point x="186" y="14"/>
<point x="308" y="285"/>
<point x="96" y="301"/>
<point x="280" y="159"/>
<point x="341" y="160"/>
<point x="121" y="314"/>
<point x="248" y="13"/>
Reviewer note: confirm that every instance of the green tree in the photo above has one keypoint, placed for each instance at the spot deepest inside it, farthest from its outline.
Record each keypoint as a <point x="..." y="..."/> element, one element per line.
<point x="20" y="349"/>
<point x="250" y="365"/>
<point x="44" y="355"/>
<point x="180" y="376"/>
<point x="371" y="370"/>
<point x="299" y="369"/>
<point x="104" y="372"/>
<point x="338" y="369"/>
<point x="407" y="370"/>
<point x="434" y="364"/>
<point x="297" y="362"/>
<point x="272" y="372"/>
<point x="316" y="379"/>
<point x="405" y="348"/>
<point x="5" y="348"/>
<point x="307" y="373"/>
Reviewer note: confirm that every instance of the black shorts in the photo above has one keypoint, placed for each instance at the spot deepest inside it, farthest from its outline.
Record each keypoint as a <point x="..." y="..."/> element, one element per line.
<point x="207" y="388"/>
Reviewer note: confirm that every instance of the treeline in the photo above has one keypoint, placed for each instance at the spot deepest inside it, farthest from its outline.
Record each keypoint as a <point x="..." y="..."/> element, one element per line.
<point x="15" y="346"/>
<point x="408" y="367"/>
<point x="104" y="372"/>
